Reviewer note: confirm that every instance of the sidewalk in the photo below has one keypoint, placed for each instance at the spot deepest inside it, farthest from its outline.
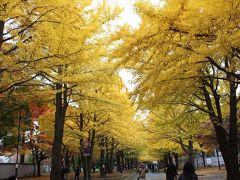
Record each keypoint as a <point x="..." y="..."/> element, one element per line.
<point x="95" y="176"/>
<point x="208" y="173"/>
<point x="211" y="173"/>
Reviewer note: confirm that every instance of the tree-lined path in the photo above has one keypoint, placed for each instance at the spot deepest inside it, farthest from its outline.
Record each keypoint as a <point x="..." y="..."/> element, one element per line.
<point x="149" y="176"/>
<point x="64" y="101"/>
<point x="162" y="176"/>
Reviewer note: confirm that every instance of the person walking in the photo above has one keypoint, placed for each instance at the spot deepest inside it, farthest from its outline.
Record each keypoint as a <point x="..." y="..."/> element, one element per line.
<point x="171" y="172"/>
<point x="77" y="173"/>
<point x="188" y="172"/>
<point x="63" y="173"/>
<point x="141" y="171"/>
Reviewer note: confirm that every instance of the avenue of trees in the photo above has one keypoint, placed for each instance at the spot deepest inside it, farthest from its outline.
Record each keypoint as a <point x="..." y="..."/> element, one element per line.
<point x="58" y="95"/>
<point x="187" y="53"/>
<point x="61" y="96"/>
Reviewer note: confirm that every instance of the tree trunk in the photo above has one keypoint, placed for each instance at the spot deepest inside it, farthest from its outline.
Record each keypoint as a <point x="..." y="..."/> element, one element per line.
<point x="122" y="160"/>
<point x="33" y="161"/>
<point x="61" y="107"/>
<point x="119" y="167"/>
<point x="203" y="158"/>
<point x="79" y="163"/>
<point x="219" y="165"/>
<point x="88" y="167"/>
<point x="125" y="163"/>
<point x="165" y="162"/>
<point x="22" y="157"/>
<point x="107" y="156"/>
<point x="1" y="33"/>
<point x="38" y="168"/>
<point x="231" y="163"/>
<point x="131" y="163"/>
<point x="73" y="162"/>
<point x="38" y="161"/>
<point x="111" y="157"/>
<point x="102" y="168"/>
<point x="91" y="139"/>
<point x="81" y="157"/>
<point x="176" y="160"/>
<point x="227" y="142"/>
<point x="84" y="160"/>
<point x="170" y="161"/>
<point x="67" y="160"/>
<point x="233" y="169"/>
<point x="191" y="152"/>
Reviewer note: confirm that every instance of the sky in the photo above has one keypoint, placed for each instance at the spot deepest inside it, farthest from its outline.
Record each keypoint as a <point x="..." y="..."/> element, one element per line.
<point x="129" y="16"/>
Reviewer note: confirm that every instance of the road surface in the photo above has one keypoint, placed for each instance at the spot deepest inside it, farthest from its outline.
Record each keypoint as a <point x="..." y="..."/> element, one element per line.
<point x="161" y="176"/>
<point x="149" y="176"/>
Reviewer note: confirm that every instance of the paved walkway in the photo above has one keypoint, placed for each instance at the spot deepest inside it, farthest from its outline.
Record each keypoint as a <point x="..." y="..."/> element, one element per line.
<point x="149" y="176"/>
<point x="216" y="177"/>
<point x="161" y="176"/>
<point x="211" y="173"/>
<point x="203" y="174"/>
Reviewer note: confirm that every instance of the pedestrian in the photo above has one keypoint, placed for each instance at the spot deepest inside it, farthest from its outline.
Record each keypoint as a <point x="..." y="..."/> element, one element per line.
<point x="152" y="167"/>
<point x="93" y="168"/>
<point x="141" y="171"/>
<point x="146" y="168"/>
<point x="171" y="172"/>
<point x="12" y="178"/>
<point x="188" y="172"/>
<point x="67" y="170"/>
<point x="63" y="173"/>
<point x="77" y="173"/>
<point x="155" y="167"/>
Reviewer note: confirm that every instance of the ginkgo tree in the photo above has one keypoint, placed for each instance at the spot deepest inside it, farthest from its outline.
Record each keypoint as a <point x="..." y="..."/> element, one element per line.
<point x="51" y="39"/>
<point x="100" y="112"/>
<point x="177" y="125"/>
<point x="187" y="52"/>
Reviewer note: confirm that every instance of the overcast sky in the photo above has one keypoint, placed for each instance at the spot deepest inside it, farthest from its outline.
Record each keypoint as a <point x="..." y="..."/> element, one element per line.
<point x="129" y="16"/>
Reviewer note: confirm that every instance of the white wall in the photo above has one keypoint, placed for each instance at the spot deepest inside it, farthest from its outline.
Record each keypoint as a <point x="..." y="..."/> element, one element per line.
<point x="8" y="170"/>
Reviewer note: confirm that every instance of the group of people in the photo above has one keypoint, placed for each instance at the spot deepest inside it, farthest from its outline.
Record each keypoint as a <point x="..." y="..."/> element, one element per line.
<point x="65" y="171"/>
<point x="188" y="172"/>
<point x="153" y="167"/>
<point x="171" y="172"/>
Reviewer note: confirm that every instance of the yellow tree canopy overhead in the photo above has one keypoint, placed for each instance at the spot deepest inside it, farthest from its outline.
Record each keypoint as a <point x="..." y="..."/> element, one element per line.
<point x="175" y="124"/>
<point x="111" y="108"/>
<point x="174" y="42"/>
<point x="187" y="52"/>
<point x="40" y="37"/>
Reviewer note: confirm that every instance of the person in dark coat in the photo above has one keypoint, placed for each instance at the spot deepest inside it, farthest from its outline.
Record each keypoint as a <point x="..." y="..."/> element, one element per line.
<point x="171" y="172"/>
<point x="77" y="173"/>
<point x="63" y="173"/>
<point x="12" y="178"/>
<point x="188" y="172"/>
